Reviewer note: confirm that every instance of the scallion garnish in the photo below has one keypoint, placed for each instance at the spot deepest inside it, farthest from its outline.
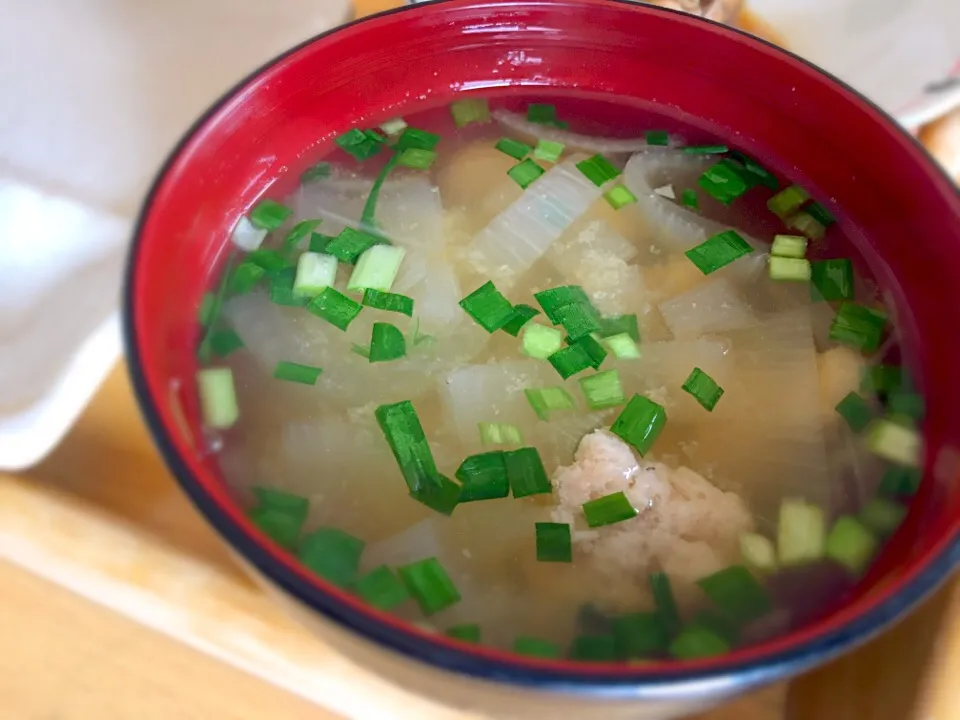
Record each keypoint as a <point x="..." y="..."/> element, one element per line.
<point x="335" y="307"/>
<point x="703" y="388"/>
<point x="225" y="342"/>
<point x="858" y="326"/>
<point x="542" y="113"/>
<point x="540" y="341"/>
<point x="288" y="502"/>
<point x="723" y="182"/>
<point x="548" y="151"/>
<point x="856" y="411"/>
<point x="281" y="289"/>
<point x="554" y="299"/>
<point x="350" y="244"/>
<point x="315" y="172"/>
<point x="404" y="433"/>
<point x="269" y="215"/>
<point x="882" y="378"/>
<point x="522" y="314"/>
<point x="386" y="343"/>
<point x="593" y="348"/>
<point x="390" y="302"/>
<point x="467" y="632"/>
<point x="430" y="585"/>
<point x="318" y="242"/>
<point x="499" y="434"/>
<point x="418" y="139"/>
<point x="758" y="552"/>
<point x="755" y="170"/>
<point x="245" y="278"/>
<point x="695" y="642"/>
<point x="315" y="273"/>
<point x="706" y="149"/>
<point x="719" y="251"/>
<point x="899" y="481"/>
<point x="598" y="170"/>
<point x="525" y="472"/>
<point x="488" y="307"/>
<point x="619" y="196"/>
<point x="298" y="233"/>
<point x="297" y="373"/>
<point x="579" y="320"/>
<point x="394" y="127"/>
<point x="657" y="137"/>
<point x="514" y="148"/>
<point x="688" y="198"/>
<point x="368" y="218"/>
<point x="210" y="314"/>
<point x="377" y="268"/>
<point x="546" y="400"/>
<point x="416" y="158"/>
<point x="269" y="260"/>
<point x="895" y="442"/>
<point x="619" y="324"/>
<point x="469" y="111"/>
<point x="906" y="404"/>
<point x="639" y="635"/>
<point x="800" y="532"/>
<point x="218" y="398"/>
<point x="332" y="554"/>
<point x="603" y="390"/>
<point x="207" y="310"/>
<point x="283" y="528"/>
<point x="361" y="144"/>
<point x="786" y="202"/>
<point x="609" y="509"/>
<point x="623" y="347"/>
<point x="789" y="246"/>
<point x="832" y="279"/>
<point x="851" y="544"/>
<point x="883" y="516"/>
<point x="525" y="172"/>
<point x="640" y="423"/>
<point x="571" y="360"/>
<point x="737" y="594"/>
<point x="554" y="543"/>
<point x="382" y="589"/>
<point x="594" y="648"/>
<point x="535" y="647"/>
<point x="483" y="477"/>
<point x="819" y="213"/>
<point x="804" y="222"/>
<point x="443" y="497"/>
<point x="789" y="269"/>
<point x="666" y="603"/>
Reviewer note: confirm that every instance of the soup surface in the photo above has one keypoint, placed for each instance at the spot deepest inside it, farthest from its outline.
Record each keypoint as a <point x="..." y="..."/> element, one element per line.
<point x="569" y="395"/>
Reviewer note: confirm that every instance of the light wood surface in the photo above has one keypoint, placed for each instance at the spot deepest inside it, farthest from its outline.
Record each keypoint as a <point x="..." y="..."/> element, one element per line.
<point x="102" y="518"/>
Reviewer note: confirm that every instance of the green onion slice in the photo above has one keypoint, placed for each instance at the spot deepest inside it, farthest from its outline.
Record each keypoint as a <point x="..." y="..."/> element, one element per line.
<point x="361" y="144"/>
<point x="387" y="343"/>
<point x="269" y="215"/>
<point x="640" y="423"/>
<point x="430" y="585"/>
<point x="540" y="341"/>
<point x="640" y="635"/>
<point x="483" y="477"/>
<point x="851" y="544"/>
<point x="522" y="314"/>
<point x="294" y="372"/>
<point x="548" y="151"/>
<point x="469" y="111"/>
<point x="703" y="388"/>
<point x="856" y="411"/>
<point x="657" y="137"/>
<point x="218" y="398"/>
<point x="689" y="198"/>
<point x="832" y="279"/>
<point x="609" y="509"/>
<point x="603" y="390"/>
<point x="598" y="170"/>
<point x="788" y="201"/>
<point x="332" y="554"/>
<point x="571" y="360"/>
<point x="525" y="172"/>
<point x="315" y="172"/>
<point x="499" y="434"/>
<point x="723" y="182"/>
<point x="350" y="244"/>
<point x="858" y="326"/>
<point x="525" y="473"/>
<point x="546" y="400"/>
<point x="467" y="632"/>
<point x="382" y="589"/>
<point x="619" y="196"/>
<point x="535" y="647"/>
<point x="335" y="307"/>
<point x="390" y="302"/>
<point x="719" y="251"/>
<point x="514" y="148"/>
<point x="666" y="604"/>
<point x="404" y="433"/>
<point x="554" y="542"/>
<point x="488" y="307"/>
<point x="619" y="324"/>
<point x="416" y="158"/>
<point x="737" y="594"/>
<point x="789" y="246"/>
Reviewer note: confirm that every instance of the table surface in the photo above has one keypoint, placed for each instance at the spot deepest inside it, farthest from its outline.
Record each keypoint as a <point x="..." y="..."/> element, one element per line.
<point x="63" y="657"/>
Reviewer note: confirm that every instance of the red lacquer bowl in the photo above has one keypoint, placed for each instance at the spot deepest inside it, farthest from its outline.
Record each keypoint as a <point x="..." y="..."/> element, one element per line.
<point x="904" y="212"/>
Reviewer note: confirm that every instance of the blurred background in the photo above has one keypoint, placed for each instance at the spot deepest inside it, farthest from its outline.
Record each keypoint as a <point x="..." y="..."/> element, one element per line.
<point x="94" y="95"/>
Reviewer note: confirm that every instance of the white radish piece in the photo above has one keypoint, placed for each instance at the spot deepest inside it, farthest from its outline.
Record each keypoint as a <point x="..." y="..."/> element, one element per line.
<point x="571" y="140"/>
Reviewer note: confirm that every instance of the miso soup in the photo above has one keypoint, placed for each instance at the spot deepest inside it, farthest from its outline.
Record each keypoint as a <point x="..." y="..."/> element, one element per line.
<point x="606" y="393"/>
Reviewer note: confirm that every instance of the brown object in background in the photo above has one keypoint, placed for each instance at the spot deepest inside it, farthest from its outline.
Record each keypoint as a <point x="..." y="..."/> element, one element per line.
<point x="942" y="139"/>
<point x="725" y="11"/>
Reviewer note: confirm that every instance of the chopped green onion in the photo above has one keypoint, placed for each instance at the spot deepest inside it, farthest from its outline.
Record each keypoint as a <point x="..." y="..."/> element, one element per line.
<point x="696" y="642"/>
<point x="468" y="633"/>
<point x="526" y="473"/>
<point x="881" y="378"/>
<point x="245" y="277"/>
<point x="540" y="341"/>
<point x="759" y="174"/>
<point x="594" y="648"/>
<point x="758" y="552"/>
<point x="281" y="289"/>
<point x="548" y="151"/>
<point x="212" y="311"/>
<point x="819" y="213"/>
<point x="269" y="215"/>
<point x="851" y="544"/>
<point x="443" y="497"/>
<point x="900" y="481"/>
<point x="483" y="477"/>
<point x="554" y="299"/>
<point x="315" y="273"/>
<point x="416" y="158"/>
<point x="571" y="360"/>
<point x="283" y="528"/>
<point x="390" y="302"/>
<point x="499" y="434"/>
<point x="525" y="172"/>
<point x="609" y="509"/>
<point x="269" y="260"/>
<point x="789" y="269"/>
<point x="579" y="320"/>
<point x="718" y="251"/>
<point x="832" y="279"/>
<point x="333" y="555"/>
<point x="225" y="342"/>
<point x="640" y="423"/>
<point x="315" y="172"/>
<point x="417" y="139"/>
<point x="895" y="442"/>
<point x="522" y="314"/>
<point x="319" y="242"/>
<point x="298" y="233"/>
<point x="858" y="326"/>
<point x="789" y="246"/>
<point x="856" y="411"/>
<point x="361" y="350"/>
<point x="657" y="137"/>
<point x="294" y="372"/>
<point x="377" y="268"/>
<point x="404" y="433"/>
<point x="706" y="149"/>
<point x="690" y="199"/>
<point x="430" y="585"/>
<point x="603" y="390"/>
<point x="639" y="635"/>
<point x="350" y="244"/>
<point x="619" y="324"/>
<point x="387" y="343"/>
<point x="471" y="110"/>
<point x="723" y="182"/>
<point x="598" y="170"/>
<point x="800" y="532"/>
<point x="883" y="516"/>
<point x="805" y="223"/>
<point x="335" y="307"/>
<point x="514" y="148"/>
<point x="619" y="196"/>
<point x="541" y="113"/>
<point x="368" y="216"/>
<point x="788" y="201"/>
<point x="488" y="307"/>
<point x="382" y="589"/>
<point x="207" y="309"/>
<point x="553" y="542"/>
<point x="361" y="144"/>
<point x="716" y="623"/>
<point x="665" y="602"/>
<point x="907" y="404"/>
<point x="546" y="400"/>
<point x="703" y="388"/>
<point x="535" y="647"/>
<point x="623" y="347"/>
<point x="737" y="594"/>
<point x="394" y="127"/>
<point x="273" y="499"/>
<point x="218" y="398"/>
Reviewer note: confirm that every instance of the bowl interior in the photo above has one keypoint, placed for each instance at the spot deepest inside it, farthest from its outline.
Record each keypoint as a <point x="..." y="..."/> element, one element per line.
<point x="904" y="216"/>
